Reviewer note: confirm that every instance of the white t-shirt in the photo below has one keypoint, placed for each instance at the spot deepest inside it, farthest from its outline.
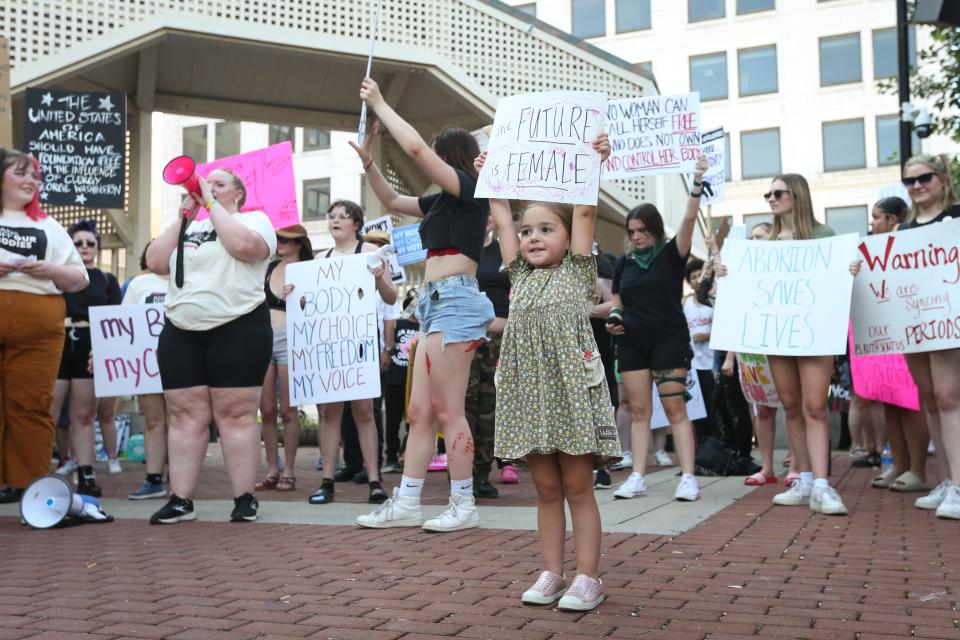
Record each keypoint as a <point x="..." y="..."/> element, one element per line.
<point x="699" y="320"/>
<point x="386" y="312"/>
<point x="24" y="239"/>
<point x="217" y="287"/>
<point x="146" y="288"/>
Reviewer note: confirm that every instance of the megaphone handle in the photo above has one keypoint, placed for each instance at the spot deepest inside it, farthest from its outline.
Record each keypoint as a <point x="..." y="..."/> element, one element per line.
<point x="178" y="278"/>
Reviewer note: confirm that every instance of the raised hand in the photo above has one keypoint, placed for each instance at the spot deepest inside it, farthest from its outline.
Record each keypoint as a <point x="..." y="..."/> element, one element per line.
<point x="365" y="150"/>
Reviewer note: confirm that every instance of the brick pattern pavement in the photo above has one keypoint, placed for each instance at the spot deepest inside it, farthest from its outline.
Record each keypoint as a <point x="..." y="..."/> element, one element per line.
<point x="752" y="570"/>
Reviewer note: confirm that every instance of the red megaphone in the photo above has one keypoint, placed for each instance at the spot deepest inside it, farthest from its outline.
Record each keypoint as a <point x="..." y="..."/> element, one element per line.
<point x="180" y="172"/>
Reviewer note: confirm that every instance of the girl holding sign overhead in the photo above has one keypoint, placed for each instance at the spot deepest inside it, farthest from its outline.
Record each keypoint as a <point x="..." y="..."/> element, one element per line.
<point x="453" y="313"/>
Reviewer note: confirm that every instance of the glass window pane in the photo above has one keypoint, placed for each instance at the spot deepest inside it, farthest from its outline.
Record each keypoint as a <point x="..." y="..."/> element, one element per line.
<point x="226" y="140"/>
<point x="195" y="142"/>
<point x="278" y="133"/>
<point x="843" y="146"/>
<point x="708" y="75"/>
<point x="840" y="59"/>
<point x="758" y="70"/>
<point x="729" y="157"/>
<point x="885" y="52"/>
<point x="314" y="139"/>
<point x="316" y="198"/>
<point x="760" y="153"/>
<point x="589" y="19"/>
<point x="529" y="8"/>
<point x="750" y="220"/>
<point x="848" y="219"/>
<point x="633" y="15"/>
<point x="749" y="6"/>
<point x="888" y="140"/>
<point x="705" y="9"/>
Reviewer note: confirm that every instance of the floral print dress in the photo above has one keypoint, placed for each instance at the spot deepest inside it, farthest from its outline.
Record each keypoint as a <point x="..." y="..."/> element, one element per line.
<point x="551" y="390"/>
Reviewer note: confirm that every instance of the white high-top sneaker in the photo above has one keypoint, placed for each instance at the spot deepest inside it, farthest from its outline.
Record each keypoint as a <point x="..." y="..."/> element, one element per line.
<point x="461" y="513"/>
<point x="398" y="511"/>
<point x="635" y="485"/>
<point x="950" y="507"/>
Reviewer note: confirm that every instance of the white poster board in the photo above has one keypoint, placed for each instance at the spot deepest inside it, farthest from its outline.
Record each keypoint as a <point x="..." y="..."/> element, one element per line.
<point x="124" y="340"/>
<point x="715" y="148"/>
<point x="332" y="346"/>
<point x="787" y="298"/>
<point x="653" y="135"/>
<point x="541" y="148"/>
<point x="905" y="296"/>
<point x="696" y="406"/>
<point x="385" y="223"/>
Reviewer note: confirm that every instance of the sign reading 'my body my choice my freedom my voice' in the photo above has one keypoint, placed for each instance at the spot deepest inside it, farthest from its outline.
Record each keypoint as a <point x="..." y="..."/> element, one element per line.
<point x="541" y="148"/>
<point x="789" y="298"/>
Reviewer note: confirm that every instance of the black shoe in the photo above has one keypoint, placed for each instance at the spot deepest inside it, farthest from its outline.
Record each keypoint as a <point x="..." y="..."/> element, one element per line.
<point x="346" y="473"/>
<point x="377" y="494"/>
<point x="245" y="509"/>
<point x="362" y="477"/>
<point x="323" y="495"/>
<point x="176" y="510"/>
<point x="10" y="494"/>
<point x="87" y="485"/>
<point x="602" y="481"/>
<point x="871" y="460"/>
<point x="483" y="489"/>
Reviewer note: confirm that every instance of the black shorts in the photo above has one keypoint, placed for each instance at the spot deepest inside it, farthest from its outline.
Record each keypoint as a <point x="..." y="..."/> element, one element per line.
<point x="661" y="357"/>
<point x="235" y="354"/>
<point x="76" y="353"/>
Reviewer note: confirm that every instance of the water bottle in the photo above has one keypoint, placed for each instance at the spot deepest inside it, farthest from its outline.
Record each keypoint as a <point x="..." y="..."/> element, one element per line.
<point x="886" y="460"/>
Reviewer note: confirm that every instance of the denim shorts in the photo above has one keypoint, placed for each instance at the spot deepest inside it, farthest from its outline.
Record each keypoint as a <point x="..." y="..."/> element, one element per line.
<point x="280" y="347"/>
<point x="455" y="307"/>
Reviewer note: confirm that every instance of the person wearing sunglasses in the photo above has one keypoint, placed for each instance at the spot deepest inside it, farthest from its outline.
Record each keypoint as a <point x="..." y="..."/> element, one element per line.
<point x="38" y="263"/>
<point x="934" y="198"/>
<point x="74" y="379"/>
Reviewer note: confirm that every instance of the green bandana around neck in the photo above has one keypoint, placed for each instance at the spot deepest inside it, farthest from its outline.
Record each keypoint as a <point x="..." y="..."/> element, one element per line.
<point x="644" y="257"/>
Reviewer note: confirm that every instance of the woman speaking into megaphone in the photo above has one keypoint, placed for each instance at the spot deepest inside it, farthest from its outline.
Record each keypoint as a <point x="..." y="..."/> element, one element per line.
<point x="216" y="344"/>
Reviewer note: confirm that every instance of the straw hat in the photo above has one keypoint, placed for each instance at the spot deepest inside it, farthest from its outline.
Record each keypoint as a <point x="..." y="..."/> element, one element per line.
<point x="295" y="232"/>
<point x="377" y="237"/>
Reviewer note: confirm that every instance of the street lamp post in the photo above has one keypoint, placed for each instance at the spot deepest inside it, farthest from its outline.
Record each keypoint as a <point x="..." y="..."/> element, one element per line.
<point x="903" y="79"/>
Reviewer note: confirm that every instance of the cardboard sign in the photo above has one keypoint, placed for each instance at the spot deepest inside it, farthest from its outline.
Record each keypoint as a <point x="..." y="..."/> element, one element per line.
<point x="124" y="339"/>
<point x="268" y="176"/>
<point x="541" y="148"/>
<point x="715" y="148"/>
<point x="789" y="298"/>
<point x="406" y="240"/>
<point x="333" y="350"/>
<point x="6" y="121"/>
<point x="905" y="296"/>
<point x="756" y="380"/>
<point x="696" y="406"/>
<point x="385" y="223"/>
<point x="79" y="139"/>
<point x="885" y="378"/>
<point x="653" y="135"/>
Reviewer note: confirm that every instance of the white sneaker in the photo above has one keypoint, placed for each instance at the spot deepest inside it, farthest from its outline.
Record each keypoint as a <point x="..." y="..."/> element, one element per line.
<point x="795" y="496"/>
<point x="67" y="468"/>
<point x="461" y="513"/>
<point x="950" y="507"/>
<point x="662" y="458"/>
<point x="633" y="487"/>
<point x="688" y="489"/>
<point x="398" y="511"/>
<point x="113" y="466"/>
<point x="827" y="501"/>
<point x="933" y="499"/>
<point x="626" y="463"/>
<point x="548" y="588"/>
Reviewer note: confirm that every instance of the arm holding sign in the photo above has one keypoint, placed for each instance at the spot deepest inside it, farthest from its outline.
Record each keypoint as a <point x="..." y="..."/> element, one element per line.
<point x="685" y="232"/>
<point x="67" y="279"/>
<point x="584" y="216"/>
<point x="503" y="218"/>
<point x="381" y="274"/>
<point x="386" y="194"/>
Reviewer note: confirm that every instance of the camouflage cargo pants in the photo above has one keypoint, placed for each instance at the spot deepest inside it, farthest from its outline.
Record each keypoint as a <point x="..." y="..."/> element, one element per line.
<point x="480" y="405"/>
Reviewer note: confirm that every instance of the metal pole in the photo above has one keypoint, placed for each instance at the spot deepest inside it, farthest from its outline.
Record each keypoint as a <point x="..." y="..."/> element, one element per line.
<point x="903" y="78"/>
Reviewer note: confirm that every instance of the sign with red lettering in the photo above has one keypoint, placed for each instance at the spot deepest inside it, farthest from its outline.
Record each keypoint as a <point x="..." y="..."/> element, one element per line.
<point x="124" y="339"/>
<point x="903" y="297"/>
<point x="885" y="378"/>
<point x="653" y="135"/>
<point x="756" y="380"/>
<point x="333" y="348"/>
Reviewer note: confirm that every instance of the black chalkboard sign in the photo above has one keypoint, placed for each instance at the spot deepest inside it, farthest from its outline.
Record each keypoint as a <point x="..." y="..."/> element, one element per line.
<point x="79" y="139"/>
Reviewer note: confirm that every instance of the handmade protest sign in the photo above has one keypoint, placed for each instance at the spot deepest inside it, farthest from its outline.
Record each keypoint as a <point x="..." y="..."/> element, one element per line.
<point x="903" y="296"/>
<point x="540" y="148"/>
<point x="715" y="148"/>
<point x="406" y="240"/>
<point x="696" y="406"/>
<point x="124" y="339"/>
<point x="333" y="349"/>
<point x="267" y="175"/>
<point x="789" y="298"/>
<point x="653" y="135"/>
<point x="385" y="224"/>
<point x="756" y="380"/>
<point x="885" y="378"/>
<point x="79" y="139"/>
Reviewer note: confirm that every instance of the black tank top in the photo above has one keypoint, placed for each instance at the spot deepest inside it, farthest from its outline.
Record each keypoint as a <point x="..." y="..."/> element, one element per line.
<point x="273" y="302"/>
<point x="355" y="251"/>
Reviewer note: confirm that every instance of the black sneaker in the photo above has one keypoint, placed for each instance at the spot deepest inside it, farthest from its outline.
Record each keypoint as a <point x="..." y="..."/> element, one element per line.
<point x="871" y="460"/>
<point x="602" y="481"/>
<point x="87" y="485"/>
<point x="483" y="489"/>
<point x="10" y="494"/>
<point x="176" y="510"/>
<point x="245" y="509"/>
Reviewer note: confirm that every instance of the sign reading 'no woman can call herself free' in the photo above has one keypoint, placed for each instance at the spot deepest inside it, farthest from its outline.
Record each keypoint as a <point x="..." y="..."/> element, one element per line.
<point x="79" y="139"/>
<point x="541" y="148"/>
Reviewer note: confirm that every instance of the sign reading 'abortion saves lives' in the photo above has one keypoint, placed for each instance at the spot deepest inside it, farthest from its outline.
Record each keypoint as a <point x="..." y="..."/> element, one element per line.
<point x="789" y="298"/>
<point x="79" y="139"/>
<point x="124" y="339"/>
<point x="653" y="134"/>
<point x="541" y="148"/>
<point x="333" y="348"/>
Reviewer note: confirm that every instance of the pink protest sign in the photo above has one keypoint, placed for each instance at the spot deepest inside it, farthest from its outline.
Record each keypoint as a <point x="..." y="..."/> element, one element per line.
<point x="884" y="377"/>
<point x="268" y="176"/>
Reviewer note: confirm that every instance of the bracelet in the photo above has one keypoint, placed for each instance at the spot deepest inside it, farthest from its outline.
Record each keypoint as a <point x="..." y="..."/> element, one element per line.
<point x="697" y="194"/>
<point x="615" y="310"/>
<point x="696" y="182"/>
<point x="367" y="166"/>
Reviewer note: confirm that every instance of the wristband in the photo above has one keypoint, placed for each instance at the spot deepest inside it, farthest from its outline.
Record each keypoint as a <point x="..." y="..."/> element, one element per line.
<point x="697" y="194"/>
<point x="616" y="310"/>
<point x="696" y="182"/>
<point x="367" y="166"/>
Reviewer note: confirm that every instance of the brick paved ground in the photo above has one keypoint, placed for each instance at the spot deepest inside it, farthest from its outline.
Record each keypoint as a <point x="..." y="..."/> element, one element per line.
<point x="752" y="570"/>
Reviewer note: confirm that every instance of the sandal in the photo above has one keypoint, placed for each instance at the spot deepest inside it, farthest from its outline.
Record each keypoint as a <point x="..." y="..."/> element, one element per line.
<point x="883" y="480"/>
<point x="791" y="479"/>
<point x="269" y="482"/>
<point x="323" y="495"/>
<point x="286" y="483"/>
<point x="909" y="481"/>
<point x="759" y="479"/>
<point x="377" y="496"/>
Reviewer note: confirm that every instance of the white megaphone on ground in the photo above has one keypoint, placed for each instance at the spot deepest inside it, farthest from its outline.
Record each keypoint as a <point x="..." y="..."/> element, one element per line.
<point x="49" y="500"/>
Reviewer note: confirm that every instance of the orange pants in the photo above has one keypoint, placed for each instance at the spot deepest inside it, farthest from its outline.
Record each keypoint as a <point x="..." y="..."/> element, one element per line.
<point x="31" y="343"/>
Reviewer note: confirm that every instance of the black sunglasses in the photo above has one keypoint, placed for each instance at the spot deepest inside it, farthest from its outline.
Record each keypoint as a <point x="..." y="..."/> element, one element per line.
<point x="923" y="178"/>
<point x="282" y="240"/>
<point x="90" y="244"/>
<point x="776" y="193"/>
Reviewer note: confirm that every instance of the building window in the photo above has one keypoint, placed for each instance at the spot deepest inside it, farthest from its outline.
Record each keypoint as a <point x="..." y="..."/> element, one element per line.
<point x="280" y="133"/>
<point x="885" y="52"/>
<point x="530" y="8"/>
<point x="888" y="140"/>
<point x="848" y="219"/>
<point x="226" y="140"/>
<point x="195" y="142"/>
<point x="760" y="153"/>
<point x="589" y="18"/>
<point x="758" y="70"/>
<point x="843" y="146"/>
<point x="750" y="6"/>
<point x="750" y="220"/>
<point x="316" y="139"/>
<point x="316" y="199"/>
<point x="728" y="157"/>
<point x="840" y="59"/>
<point x="633" y="15"/>
<point x="708" y="75"/>
<point x="705" y="9"/>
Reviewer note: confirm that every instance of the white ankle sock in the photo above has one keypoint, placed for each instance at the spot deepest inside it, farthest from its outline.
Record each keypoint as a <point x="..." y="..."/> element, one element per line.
<point x="463" y="487"/>
<point x="806" y="477"/>
<point x="410" y="487"/>
<point x="820" y="482"/>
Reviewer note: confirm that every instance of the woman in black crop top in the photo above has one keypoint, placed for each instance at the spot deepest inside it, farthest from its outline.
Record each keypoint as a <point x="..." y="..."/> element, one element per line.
<point x="453" y="313"/>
